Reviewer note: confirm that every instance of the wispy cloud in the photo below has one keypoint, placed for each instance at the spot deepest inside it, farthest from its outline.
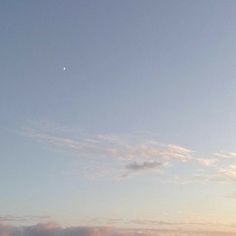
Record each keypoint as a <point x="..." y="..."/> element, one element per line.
<point x="221" y="174"/>
<point x="226" y="155"/>
<point x="136" y="153"/>
<point x="167" y="224"/>
<point x="133" y="153"/>
<point x="207" y="162"/>
<point x="23" y="219"/>
<point x="123" y="147"/>
<point x="228" y="173"/>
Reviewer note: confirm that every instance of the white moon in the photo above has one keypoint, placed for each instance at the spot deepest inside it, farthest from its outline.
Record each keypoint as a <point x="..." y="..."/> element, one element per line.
<point x="64" y="68"/>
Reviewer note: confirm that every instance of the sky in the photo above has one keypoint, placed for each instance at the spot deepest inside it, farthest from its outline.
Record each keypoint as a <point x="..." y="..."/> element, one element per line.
<point x="117" y="114"/>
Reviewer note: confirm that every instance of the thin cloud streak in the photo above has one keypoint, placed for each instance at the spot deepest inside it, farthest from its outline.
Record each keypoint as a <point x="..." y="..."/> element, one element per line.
<point x="23" y="219"/>
<point x="115" y="146"/>
<point x="226" y="155"/>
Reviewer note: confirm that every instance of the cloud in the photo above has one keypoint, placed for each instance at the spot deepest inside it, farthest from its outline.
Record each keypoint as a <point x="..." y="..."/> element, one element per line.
<point x="53" y="229"/>
<point x="228" y="173"/>
<point x="221" y="174"/>
<point x="126" y="147"/>
<point x="23" y="219"/>
<point x="226" y="155"/>
<point x="125" y="154"/>
<point x="144" y="166"/>
<point x="207" y="162"/>
<point x="130" y="152"/>
<point x="140" y="167"/>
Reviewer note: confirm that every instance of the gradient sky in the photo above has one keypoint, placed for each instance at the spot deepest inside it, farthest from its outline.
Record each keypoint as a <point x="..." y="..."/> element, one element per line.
<point x="118" y="113"/>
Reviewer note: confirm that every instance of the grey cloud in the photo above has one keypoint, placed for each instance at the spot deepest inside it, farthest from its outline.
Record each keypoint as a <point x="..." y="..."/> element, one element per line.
<point x="135" y="166"/>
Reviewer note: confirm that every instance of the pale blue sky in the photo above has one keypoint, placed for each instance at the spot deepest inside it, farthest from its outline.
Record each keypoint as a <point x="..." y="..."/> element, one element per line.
<point x="140" y="125"/>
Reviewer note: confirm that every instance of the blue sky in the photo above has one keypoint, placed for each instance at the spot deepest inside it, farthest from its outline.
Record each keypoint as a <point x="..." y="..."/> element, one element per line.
<point x="138" y="127"/>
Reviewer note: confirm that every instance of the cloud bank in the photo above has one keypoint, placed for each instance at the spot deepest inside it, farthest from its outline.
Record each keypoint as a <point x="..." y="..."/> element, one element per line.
<point x="53" y="229"/>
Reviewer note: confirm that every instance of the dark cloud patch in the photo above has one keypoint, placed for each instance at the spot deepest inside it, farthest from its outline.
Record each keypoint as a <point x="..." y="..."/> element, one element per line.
<point x="135" y="166"/>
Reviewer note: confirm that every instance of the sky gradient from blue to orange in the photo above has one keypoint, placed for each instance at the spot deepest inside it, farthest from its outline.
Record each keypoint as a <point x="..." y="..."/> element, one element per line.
<point x="139" y="128"/>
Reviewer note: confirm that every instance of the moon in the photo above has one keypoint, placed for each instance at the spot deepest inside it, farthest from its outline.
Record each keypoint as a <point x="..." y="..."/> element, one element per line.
<point x="64" y="68"/>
